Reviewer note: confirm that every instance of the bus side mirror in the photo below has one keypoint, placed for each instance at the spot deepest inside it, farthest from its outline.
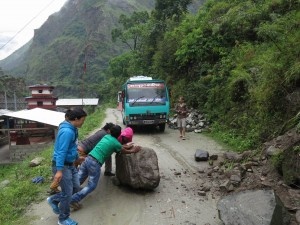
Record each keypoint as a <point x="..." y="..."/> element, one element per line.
<point x="119" y="96"/>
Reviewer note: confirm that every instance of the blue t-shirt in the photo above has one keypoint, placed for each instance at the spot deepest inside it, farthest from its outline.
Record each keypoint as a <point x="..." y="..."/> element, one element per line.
<point x="65" y="147"/>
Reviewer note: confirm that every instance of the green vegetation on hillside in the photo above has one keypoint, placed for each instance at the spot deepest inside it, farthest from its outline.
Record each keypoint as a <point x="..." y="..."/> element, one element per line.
<point x="237" y="61"/>
<point x="12" y="86"/>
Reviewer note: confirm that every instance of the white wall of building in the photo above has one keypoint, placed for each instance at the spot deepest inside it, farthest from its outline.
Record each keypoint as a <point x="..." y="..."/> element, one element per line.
<point x="44" y="92"/>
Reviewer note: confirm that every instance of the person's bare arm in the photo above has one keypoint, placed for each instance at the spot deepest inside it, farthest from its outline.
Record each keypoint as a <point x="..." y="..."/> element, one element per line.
<point x="81" y="151"/>
<point x="128" y="145"/>
<point x="58" y="176"/>
<point x="134" y="149"/>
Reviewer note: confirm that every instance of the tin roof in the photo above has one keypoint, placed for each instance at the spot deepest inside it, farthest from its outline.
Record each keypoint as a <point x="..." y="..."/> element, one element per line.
<point x="77" y="101"/>
<point x="4" y="111"/>
<point x="40" y="115"/>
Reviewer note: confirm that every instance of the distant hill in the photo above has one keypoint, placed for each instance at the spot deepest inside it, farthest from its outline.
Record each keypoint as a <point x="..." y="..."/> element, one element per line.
<point x="16" y="62"/>
<point x="79" y="32"/>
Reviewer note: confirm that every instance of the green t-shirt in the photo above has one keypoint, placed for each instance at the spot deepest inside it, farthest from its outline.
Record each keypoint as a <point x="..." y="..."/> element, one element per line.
<point x="105" y="148"/>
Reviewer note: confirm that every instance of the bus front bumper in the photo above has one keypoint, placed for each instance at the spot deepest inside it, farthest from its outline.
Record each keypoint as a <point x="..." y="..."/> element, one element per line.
<point x="147" y="122"/>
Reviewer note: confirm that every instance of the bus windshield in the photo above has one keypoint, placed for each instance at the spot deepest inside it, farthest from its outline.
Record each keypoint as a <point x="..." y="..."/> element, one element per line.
<point x="141" y="93"/>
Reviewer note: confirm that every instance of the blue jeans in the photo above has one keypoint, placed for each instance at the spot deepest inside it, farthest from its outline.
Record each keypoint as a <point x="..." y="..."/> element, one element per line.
<point x="68" y="184"/>
<point x="91" y="169"/>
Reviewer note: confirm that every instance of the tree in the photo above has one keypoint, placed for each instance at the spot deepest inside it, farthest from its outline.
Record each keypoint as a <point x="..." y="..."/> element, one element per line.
<point x="133" y="30"/>
<point x="170" y="9"/>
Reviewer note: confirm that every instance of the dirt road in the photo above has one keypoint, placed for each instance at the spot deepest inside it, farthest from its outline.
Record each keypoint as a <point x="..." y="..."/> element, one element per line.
<point x="175" y="201"/>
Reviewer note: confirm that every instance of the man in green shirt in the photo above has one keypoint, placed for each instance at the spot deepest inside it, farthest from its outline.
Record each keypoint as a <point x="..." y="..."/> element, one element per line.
<point x="91" y="167"/>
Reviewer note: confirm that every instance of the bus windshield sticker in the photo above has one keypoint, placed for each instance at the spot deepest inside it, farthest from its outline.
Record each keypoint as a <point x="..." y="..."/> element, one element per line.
<point x="146" y="85"/>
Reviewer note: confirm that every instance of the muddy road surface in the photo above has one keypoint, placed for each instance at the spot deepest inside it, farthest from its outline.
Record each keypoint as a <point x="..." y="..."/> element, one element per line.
<point x="175" y="201"/>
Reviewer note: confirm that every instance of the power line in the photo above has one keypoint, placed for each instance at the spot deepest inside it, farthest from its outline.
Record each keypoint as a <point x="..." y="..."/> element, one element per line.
<point x="26" y="24"/>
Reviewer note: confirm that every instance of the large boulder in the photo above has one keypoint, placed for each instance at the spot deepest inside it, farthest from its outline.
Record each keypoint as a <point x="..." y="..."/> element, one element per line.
<point x="253" y="207"/>
<point x="139" y="170"/>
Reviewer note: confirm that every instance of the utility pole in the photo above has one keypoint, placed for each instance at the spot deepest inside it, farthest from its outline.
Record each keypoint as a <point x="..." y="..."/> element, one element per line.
<point x="82" y="88"/>
<point x="15" y="100"/>
<point x="84" y="71"/>
<point x="5" y="99"/>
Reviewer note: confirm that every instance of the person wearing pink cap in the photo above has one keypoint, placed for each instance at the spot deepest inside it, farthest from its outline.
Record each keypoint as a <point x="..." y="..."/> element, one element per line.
<point x="126" y="136"/>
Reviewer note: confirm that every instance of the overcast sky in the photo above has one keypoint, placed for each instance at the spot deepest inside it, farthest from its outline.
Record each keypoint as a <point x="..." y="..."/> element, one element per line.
<point x="19" y="18"/>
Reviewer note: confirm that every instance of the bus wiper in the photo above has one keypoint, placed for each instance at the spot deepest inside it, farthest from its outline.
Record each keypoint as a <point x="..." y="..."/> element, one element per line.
<point x="154" y="99"/>
<point x="138" y="99"/>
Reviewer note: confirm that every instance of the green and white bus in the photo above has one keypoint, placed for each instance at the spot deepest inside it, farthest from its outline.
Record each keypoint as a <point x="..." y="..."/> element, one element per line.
<point x="144" y="101"/>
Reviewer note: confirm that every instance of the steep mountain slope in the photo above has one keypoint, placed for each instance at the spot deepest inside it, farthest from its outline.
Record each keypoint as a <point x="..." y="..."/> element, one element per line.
<point x="80" y="32"/>
<point x="15" y="63"/>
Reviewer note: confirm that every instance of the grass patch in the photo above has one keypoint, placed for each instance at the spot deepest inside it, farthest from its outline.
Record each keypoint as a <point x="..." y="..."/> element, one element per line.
<point x="211" y="135"/>
<point x="230" y="139"/>
<point x="19" y="191"/>
<point x="92" y="122"/>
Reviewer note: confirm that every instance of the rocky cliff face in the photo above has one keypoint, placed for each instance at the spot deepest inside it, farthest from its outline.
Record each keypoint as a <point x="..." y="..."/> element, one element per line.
<point x="80" y="32"/>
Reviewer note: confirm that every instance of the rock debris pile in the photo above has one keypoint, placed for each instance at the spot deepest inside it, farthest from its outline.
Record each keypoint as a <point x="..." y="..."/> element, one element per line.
<point x="195" y="121"/>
